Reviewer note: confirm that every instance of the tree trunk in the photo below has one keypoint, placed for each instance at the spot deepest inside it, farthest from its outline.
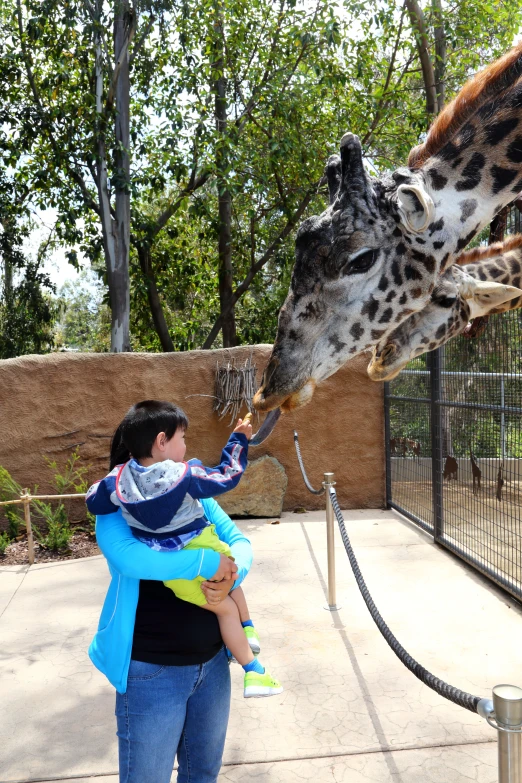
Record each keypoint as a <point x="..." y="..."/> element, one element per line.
<point x="225" y="273"/>
<point x="120" y="284"/>
<point x="154" y="301"/>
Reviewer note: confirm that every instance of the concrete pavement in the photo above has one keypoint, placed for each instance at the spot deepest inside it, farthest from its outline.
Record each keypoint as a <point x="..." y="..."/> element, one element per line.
<point x="350" y="710"/>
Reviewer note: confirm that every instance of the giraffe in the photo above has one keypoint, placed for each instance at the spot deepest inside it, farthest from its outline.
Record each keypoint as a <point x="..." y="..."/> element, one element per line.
<point x="486" y="286"/>
<point x="373" y="257"/>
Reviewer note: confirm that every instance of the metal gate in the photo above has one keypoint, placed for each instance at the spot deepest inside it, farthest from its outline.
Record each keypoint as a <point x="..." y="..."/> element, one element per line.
<point x="454" y="447"/>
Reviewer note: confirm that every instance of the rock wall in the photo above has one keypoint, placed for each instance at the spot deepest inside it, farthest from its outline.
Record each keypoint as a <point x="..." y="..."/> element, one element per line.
<point x="52" y="403"/>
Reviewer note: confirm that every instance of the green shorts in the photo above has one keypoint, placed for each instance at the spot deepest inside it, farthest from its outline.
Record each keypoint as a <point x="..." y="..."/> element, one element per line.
<point x="190" y="589"/>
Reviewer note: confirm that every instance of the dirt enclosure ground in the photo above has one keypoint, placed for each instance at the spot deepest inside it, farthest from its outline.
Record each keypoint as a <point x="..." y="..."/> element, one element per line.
<point x="480" y="525"/>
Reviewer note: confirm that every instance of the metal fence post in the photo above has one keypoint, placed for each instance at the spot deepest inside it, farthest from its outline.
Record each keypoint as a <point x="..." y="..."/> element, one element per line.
<point x="330" y="542"/>
<point x="507" y="705"/>
<point x="435" y="364"/>
<point x="387" y="447"/>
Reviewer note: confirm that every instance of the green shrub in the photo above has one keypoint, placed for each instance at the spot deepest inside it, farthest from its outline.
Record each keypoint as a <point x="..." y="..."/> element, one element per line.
<point x="59" y="531"/>
<point x="4" y="542"/>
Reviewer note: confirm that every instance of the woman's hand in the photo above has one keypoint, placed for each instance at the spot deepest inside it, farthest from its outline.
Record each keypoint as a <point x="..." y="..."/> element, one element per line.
<point x="215" y="592"/>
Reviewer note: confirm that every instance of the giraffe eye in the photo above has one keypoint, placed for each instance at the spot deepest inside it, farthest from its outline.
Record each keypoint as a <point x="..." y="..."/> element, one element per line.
<point x="361" y="262"/>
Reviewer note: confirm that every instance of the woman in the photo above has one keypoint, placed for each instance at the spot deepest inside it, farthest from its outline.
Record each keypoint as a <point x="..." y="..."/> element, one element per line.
<point x="164" y="656"/>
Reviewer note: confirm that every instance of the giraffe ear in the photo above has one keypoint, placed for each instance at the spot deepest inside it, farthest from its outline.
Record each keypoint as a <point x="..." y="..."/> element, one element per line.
<point x="415" y="206"/>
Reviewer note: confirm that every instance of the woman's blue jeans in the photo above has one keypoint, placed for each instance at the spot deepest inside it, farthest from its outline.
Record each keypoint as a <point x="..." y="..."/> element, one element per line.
<point x="173" y="710"/>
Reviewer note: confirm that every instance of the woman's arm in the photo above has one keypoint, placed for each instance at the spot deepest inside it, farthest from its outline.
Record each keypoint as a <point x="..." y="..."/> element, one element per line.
<point x="231" y="535"/>
<point x="132" y="558"/>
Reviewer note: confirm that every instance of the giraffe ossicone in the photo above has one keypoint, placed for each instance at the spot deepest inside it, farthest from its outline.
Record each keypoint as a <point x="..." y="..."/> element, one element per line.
<point x="373" y="257"/>
<point x="486" y="286"/>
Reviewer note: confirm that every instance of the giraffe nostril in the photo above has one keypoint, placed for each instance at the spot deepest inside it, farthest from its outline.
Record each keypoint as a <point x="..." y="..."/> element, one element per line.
<point x="388" y="352"/>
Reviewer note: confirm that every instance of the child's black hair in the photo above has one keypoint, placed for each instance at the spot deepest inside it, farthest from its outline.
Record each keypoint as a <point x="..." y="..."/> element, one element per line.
<point x="140" y="428"/>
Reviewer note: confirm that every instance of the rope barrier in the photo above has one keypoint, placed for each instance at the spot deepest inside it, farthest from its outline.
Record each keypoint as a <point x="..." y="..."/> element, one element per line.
<point x="301" y="465"/>
<point x="463" y="699"/>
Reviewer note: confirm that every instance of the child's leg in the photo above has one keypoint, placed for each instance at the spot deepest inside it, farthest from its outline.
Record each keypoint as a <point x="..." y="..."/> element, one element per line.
<point x="231" y="630"/>
<point x="251" y="634"/>
<point x="239" y="599"/>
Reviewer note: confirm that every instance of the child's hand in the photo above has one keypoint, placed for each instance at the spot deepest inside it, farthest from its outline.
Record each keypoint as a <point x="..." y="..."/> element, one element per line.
<point x="244" y="426"/>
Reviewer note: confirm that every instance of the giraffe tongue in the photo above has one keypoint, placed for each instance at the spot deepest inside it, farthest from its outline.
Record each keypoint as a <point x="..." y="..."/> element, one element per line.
<point x="266" y="427"/>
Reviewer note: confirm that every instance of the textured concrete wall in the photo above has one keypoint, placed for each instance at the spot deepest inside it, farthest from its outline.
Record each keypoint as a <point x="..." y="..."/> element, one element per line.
<point x="51" y="403"/>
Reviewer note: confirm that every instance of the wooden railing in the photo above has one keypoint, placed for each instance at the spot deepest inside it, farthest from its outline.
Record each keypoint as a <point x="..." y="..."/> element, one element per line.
<point x="25" y="501"/>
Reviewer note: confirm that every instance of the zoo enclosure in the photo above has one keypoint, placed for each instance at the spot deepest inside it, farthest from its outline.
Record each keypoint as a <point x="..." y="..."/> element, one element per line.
<point x="454" y="449"/>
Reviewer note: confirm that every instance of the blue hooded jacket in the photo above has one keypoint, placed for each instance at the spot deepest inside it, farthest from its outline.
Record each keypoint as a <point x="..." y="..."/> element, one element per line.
<point x="130" y="560"/>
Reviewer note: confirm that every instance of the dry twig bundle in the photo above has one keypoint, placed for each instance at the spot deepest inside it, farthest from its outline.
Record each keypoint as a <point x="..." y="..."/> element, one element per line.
<point x="235" y="387"/>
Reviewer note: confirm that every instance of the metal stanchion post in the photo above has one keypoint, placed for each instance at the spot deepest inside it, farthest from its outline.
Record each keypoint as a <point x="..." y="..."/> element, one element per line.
<point x="27" y="515"/>
<point x="330" y="542"/>
<point x="507" y="704"/>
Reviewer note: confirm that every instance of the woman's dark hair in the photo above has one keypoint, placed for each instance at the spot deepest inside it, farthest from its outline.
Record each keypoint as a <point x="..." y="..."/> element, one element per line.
<point x="140" y="428"/>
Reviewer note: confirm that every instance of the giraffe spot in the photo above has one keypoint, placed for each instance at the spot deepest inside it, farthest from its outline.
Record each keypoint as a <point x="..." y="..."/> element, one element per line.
<point x="420" y="241"/>
<point x="444" y="262"/>
<point x="502" y="263"/>
<point x="410" y="273"/>
<point x="461" y="244"/>
<point x="383" y="283"/>
<point x="471" y="173"/>
<point x="397" y="277"/>
<point x="416" y="293"/>
<point x="499" y="130"/>
<point x="514" y="151"/>
<point x="467" y="208"/>
<point x="357" y="331"/>
<point x="502" y="177"/>
<point x="456" y="163"/>
<point x="438" y="245"/>
<point x="401" y="179"/>
<point x="370" y="308"/>
<point x="404" y="314"/>
<point x="438" y="225"/>
<point x="397" y="232"/>
<point x="518" y="187"/>
<point x="438" y="180"/>
<point x="337" y="344"/>
<point x="425" y="340"/>
<point x="390" y="295"/>
<point x="516" y="282"/>
<point x="505" y="279"/>
<point x="377" y="333"/>
<point x="495" y="273"/>
<point x="427" y="261"/>
<point x="401" y="249"/>
<point x="292" y="334"/>
<point x="407" y="239"/>
<point x="386" y="316"/>
<point x="404" y="298"/>
<point x="482" y="275"/>
<point x="441" y="331"/>
<point x="514" y="266"/>
<point x="449" y="151"/>
<point x="371" y="221"/>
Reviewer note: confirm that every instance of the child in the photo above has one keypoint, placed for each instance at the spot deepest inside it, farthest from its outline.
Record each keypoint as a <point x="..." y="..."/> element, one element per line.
<point x="158" y="495"/>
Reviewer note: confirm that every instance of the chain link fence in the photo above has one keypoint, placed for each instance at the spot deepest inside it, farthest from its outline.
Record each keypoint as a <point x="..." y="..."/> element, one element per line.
<point x="454" y="447"/>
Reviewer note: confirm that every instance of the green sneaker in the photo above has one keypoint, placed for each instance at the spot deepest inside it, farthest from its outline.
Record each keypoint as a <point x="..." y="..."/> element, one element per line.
<point x="261" y="685"/>
<point x="253" y="639"/>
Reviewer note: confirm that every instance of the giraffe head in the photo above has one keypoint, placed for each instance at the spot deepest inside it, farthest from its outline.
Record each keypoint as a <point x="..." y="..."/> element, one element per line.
<point x="361" y="267"/>
<point x="463" y="293"/>
<point x="373" y="257"/>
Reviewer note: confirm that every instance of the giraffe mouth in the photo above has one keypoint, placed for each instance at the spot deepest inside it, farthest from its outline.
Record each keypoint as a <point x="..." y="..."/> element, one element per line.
<point x="288" y="402"/>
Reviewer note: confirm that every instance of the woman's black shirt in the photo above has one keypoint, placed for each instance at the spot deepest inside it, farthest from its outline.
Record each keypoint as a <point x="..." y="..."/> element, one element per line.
<point x="172" y="632"/>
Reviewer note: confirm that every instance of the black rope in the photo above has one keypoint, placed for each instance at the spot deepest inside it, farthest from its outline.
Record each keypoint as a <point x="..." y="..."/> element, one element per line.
<point x="303" y="471"/>
<point x="463" y="699"/>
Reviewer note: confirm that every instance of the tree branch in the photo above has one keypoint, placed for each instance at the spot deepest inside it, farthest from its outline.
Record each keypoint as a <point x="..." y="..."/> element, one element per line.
<point x="131" y="29"/>
<point x="142" y="39"/>
<point x="258" y="265"/>
<point x="421" y="38"/>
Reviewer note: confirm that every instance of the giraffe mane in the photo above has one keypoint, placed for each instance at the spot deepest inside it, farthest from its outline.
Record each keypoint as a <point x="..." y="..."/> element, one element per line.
<point x="485" y="85"/>
<point x="489" y="251"/>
